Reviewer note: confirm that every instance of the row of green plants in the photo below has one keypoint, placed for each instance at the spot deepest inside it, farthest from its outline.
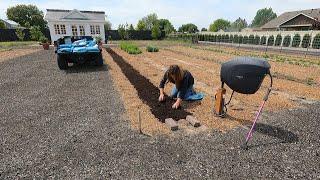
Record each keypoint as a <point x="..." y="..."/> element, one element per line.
<point x="295" y="41"/>
<point x="130" y="48"/>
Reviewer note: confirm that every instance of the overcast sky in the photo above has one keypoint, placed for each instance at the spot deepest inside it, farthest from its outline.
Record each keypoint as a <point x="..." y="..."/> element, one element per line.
<point x="201" y="12"/>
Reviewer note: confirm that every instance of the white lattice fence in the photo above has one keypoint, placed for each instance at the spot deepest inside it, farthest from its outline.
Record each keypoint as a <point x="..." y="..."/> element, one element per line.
<point x="296" y="39"/>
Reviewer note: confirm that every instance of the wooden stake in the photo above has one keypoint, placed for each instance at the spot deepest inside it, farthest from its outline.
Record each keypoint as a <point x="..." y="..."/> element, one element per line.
<point x="139" y="118"/>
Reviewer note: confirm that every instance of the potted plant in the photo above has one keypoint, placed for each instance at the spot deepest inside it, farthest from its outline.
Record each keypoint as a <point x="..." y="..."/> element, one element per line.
<point x="99" y="41"/>
<point x="44" y="42"/>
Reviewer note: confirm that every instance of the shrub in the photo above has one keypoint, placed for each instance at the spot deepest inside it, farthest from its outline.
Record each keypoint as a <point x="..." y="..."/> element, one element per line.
<point x="245" y="40"/>
<point x="222" y="38"/>
<point x="152" y="49"/>
<point x="240" y="39"/>
<point x="251" y="39"/>
<point x="43" y="39"/>
<point x="286" y="41"/>
<point x="296" y="40"/>
<point x="263" y="40"/>
<point x="209" y="37"/>
<point x="219" y="38"/>
<point x="257" y="40"/>
<point x="306" y="41"/>
<point x="226" y="38"/>
<point x="130" y="48"/>
<point x="278" y="40"/>
<point x="205" y="37"/>
<point x="200" y="37"/>
<point x="231" y="39"/>
<point x="98" y="39"/>
<point x="271" y="40"/>
<point x="35" y="33"/>
<point x="20" y="34"/>
<point x="316" y="42"/>
<point x="235" y="39"/>
<point x="214" y="38"/>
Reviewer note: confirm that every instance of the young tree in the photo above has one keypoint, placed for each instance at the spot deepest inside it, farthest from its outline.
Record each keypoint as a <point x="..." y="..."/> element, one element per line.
<point x="107" y="25"/>
<point x="2" y="25"/>
<point x="26" y="16"/>
<point x="141" y="26"/>
<point x="239" y="24"/>
<point x="131" y="28"/>
<point x="263" y="16"/>
<point x="122" y="31"/>
<point x="190" y="28"/>
<point x="165" y="25"/>
<point x="155" y="31"/>
<point x="35" y="32"/>
<point x="148" y="21"/>
<point x="20" y="34"/>
<point x="219" y="24"/>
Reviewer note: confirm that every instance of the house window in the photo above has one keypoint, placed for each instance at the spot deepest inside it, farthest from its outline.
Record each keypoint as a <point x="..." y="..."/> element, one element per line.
<point x="82" y="31"/>
<point x="63" y="29"/>
<point x="97" y="29"/>
<point x="74" y="30"/>
<point x="56" y="29"/>
<point x="92" y="30"/>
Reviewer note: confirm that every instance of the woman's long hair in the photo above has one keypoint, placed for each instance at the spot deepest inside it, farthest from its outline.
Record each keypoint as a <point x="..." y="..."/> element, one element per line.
<point x="176" y="74"/>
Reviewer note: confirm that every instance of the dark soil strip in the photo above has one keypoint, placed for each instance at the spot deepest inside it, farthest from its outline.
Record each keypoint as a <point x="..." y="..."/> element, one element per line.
<point x="147" y="92"/>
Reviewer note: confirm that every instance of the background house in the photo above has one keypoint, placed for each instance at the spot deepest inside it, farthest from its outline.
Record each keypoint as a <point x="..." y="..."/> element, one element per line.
<point x="10" y="24"/>
<point x="75" y="23"/>
<point x="295" y="21"/>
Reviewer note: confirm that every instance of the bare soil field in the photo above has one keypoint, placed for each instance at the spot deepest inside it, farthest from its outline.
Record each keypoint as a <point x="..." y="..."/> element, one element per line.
<point x="142" y="73"/>
<point x="73" y="125"/>
<point x="7" y="54"/>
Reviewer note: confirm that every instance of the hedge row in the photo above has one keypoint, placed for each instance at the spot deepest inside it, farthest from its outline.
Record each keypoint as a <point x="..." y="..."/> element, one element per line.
<point x="184" y="37"/>
<point x="294" y="41"/>
<point x="11" y="35"/>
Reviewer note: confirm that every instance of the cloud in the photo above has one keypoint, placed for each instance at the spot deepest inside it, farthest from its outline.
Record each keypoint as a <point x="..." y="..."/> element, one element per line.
<point x="201" y="13"/>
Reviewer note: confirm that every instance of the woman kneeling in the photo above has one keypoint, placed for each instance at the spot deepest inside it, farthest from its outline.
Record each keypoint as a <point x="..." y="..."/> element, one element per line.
<point x="183" y="88"/>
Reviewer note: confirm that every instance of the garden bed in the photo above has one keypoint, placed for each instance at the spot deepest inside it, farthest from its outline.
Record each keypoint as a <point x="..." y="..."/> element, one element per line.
<point x="148" y="92"/>
<point x="143" y="73"/>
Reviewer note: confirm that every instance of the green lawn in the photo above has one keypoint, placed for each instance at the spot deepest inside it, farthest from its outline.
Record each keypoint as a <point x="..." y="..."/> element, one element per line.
<point x="11" y="44"/>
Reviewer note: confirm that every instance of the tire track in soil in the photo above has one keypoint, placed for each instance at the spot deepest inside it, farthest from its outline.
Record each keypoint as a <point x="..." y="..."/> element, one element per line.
<point x="147" y="92"/>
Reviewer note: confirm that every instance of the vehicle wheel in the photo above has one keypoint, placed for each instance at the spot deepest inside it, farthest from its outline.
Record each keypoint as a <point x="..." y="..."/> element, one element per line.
<point x="99" y="60"/>
<point x="62" y="63"/>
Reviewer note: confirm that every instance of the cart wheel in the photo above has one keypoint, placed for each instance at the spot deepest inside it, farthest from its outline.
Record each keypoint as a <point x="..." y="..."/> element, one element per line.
<point x="62" y="63"/>
<point x="99" y="60"/>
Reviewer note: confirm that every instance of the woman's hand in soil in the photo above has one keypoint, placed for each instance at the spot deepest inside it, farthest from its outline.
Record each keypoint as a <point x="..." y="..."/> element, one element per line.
<point x="161" y="98"/>
<point x="177" y="104"/>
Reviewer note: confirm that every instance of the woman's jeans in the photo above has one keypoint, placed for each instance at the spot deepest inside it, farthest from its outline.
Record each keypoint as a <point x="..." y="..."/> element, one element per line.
<point x="175" y="93"/>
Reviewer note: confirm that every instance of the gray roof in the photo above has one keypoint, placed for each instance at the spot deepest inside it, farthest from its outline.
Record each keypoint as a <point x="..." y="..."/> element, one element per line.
<point x="58" y="14"/>
<point x="10" y="24"/>
<point x="275" y="23"/>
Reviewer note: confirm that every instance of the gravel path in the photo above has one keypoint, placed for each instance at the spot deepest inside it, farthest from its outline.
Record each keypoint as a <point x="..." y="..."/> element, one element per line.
<point x="72" y="126"/>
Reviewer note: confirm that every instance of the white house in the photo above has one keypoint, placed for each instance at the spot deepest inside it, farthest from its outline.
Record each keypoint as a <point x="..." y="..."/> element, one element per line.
<point x="75" y="23"/>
